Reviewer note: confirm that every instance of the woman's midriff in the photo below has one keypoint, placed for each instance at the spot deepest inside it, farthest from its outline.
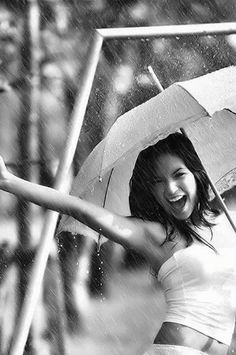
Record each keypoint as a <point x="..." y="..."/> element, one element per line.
<point x="178" y="334"/>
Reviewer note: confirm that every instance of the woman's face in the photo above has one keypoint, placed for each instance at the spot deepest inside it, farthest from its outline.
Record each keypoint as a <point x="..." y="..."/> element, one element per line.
<point x="174" y="186"/>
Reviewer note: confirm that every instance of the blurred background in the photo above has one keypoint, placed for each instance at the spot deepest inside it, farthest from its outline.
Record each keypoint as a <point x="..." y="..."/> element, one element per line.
<point x="91" y="302"/>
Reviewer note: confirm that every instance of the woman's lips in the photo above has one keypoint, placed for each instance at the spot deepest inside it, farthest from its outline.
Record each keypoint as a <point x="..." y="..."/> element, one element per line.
<point x="178" y="203"/>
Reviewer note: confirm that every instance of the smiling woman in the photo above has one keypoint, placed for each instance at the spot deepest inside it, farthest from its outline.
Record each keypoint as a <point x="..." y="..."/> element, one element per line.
<point x="175" y="187"/>
<point x="175" y="227"/>
<point x="169" y="185"/>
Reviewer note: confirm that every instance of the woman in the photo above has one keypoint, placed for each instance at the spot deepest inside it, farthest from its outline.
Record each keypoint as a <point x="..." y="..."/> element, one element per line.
<point x="189" y="244"/>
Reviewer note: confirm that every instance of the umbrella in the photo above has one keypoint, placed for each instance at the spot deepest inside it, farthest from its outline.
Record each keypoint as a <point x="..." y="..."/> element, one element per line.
<point x="204" y="107"/>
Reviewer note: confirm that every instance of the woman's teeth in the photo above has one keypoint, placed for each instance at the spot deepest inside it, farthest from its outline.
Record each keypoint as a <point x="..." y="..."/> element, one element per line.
<point x="178" y="202"/>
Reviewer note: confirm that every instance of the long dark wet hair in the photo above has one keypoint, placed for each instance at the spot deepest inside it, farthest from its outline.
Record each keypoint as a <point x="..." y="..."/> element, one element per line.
<point x="144" y="205"/>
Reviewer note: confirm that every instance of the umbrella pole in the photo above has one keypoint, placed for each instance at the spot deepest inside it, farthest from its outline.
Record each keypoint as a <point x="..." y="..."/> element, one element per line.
<point x="155" y="79"/>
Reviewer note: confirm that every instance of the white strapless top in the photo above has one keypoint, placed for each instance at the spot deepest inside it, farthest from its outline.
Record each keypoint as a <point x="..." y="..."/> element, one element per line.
<point x="200" y="290"/>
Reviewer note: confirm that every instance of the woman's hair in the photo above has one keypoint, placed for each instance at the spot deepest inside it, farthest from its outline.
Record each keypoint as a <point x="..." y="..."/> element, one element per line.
<point x="144" y="205"/>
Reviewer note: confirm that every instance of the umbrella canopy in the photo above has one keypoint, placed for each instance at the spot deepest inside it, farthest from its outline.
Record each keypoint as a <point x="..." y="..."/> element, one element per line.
<point x="204" y="107"/>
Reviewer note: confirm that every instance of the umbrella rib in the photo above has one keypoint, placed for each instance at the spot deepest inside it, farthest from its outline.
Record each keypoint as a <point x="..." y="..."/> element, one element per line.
<point x="104" y="204"/>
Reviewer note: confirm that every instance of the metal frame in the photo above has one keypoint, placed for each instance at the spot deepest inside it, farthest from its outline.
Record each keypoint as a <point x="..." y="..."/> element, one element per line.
<point x="48" y="230"/>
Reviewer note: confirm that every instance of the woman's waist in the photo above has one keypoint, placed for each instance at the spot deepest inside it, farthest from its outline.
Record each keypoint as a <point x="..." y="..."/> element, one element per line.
<point x="211" y="321"/>
<point x="178" y="334"/>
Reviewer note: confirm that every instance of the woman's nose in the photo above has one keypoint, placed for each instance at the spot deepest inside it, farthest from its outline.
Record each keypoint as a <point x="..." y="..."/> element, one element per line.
<point x="171" y="187"/>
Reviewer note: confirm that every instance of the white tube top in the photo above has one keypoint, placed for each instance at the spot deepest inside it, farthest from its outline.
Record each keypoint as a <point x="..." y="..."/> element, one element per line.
<point x="200" y="290"/>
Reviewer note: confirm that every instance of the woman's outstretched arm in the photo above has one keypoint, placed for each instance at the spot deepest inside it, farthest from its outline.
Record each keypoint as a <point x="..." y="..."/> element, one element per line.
<point x="128" y="232"/>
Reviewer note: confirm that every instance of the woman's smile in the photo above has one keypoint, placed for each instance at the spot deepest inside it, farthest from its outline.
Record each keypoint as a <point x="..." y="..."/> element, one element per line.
<point x="178" y="202"/>
<point x="175" y="187"/>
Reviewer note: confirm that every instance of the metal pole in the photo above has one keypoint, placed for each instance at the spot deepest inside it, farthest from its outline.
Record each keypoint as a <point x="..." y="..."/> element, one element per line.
<point x="33" y="291"/>
<point x="27" y="136"/>
<point x="169" y="31"/>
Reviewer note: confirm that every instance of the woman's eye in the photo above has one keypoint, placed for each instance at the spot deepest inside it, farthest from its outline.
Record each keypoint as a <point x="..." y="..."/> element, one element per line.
<point x="179" y="174"/>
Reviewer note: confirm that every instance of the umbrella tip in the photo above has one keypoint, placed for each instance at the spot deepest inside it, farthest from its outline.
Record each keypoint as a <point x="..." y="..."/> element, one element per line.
<point x="99" y="244"/>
